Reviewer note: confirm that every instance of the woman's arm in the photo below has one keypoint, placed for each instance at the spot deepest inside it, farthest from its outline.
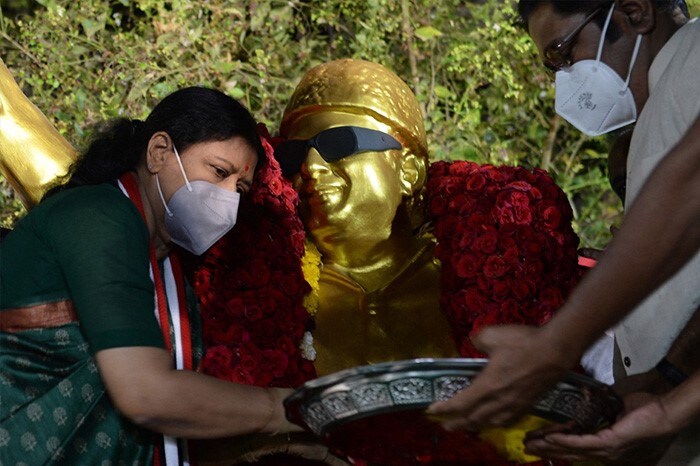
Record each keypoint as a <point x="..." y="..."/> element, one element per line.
<point x="146" y="389"/>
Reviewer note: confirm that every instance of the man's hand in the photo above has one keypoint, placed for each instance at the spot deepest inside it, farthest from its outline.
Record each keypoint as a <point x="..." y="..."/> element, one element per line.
<point x="639" y="437"/>
<point x="523" y="363"/>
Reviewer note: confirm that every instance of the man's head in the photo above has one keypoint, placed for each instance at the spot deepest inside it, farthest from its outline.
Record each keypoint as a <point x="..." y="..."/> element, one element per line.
<point x="566" y="32"/>
<point x="354" y="182"/>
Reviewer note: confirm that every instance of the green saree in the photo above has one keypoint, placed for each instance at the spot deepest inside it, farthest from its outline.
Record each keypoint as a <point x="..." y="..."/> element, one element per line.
<point x="74" y="280"/>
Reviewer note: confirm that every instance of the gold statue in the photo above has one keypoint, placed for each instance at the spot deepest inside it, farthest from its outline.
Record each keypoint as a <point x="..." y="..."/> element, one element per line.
<point x="32" y="152"/>
<point x="379" y="286"/>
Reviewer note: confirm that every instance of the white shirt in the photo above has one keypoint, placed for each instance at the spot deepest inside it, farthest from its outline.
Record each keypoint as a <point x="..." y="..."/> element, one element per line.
<point x="646" y="334"/>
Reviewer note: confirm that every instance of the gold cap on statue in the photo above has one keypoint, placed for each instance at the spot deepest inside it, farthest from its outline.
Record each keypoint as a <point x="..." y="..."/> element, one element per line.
<point x="32" y="153"/>
<point x="364" y="88"/>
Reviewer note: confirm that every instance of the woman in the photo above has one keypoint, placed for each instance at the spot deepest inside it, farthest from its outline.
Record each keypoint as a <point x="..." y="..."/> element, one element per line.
<point x="94" y="321"/>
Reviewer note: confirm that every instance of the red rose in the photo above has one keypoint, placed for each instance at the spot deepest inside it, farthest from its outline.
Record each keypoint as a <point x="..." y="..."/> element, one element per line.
<point x="495" y="267"/>
<point x="466" y="265"/>
<point x="217" y="360"/>
<point x="477" y="220"/>
<point x="521" y="289"/>
<point x="511" y="256"/>
<point x="438" y="169"/>
<point x="486" y="243"/>
<point x="475" y="300"/>
<point x="509" y="308"/>
<point x="500" y="290"/>
<point x="462" y="168"/>
<point x="552" y="217"/>
<point x="475" y="182"/>
<point x="519" y="186"/>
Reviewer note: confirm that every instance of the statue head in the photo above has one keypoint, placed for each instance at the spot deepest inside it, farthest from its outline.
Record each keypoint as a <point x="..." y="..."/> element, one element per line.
<point x="365" y="195"/>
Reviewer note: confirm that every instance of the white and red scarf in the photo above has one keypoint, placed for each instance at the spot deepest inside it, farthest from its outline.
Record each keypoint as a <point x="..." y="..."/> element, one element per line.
<point x="170" y="307"/>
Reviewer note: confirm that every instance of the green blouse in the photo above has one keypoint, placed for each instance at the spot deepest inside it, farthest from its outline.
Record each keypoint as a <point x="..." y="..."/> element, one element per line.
<point x="88" y="245"/>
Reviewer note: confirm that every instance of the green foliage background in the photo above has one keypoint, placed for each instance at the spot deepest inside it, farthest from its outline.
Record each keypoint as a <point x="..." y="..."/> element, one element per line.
<point x="476" y="74"/>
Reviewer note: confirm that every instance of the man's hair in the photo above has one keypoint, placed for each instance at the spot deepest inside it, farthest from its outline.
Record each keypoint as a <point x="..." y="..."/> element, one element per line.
<point x="568" y="7"/>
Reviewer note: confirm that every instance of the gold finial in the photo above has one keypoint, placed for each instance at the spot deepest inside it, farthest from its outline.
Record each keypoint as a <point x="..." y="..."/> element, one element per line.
<point x="32" y="153"/>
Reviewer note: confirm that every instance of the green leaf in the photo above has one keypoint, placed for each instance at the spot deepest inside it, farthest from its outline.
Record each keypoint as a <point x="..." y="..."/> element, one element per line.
<point x="92" y="27"/>
<point x="427" y="33"/>
<point x="237" y="93"/>
<point x="443" y="92"/>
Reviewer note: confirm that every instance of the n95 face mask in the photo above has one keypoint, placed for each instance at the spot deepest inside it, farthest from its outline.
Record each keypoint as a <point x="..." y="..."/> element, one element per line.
<point x="592" y="96"/>
<point x="199" y="213"/>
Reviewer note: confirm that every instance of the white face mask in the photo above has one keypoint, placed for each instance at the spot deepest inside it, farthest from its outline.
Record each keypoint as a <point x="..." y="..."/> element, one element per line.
<point x="199" y="213"/>
<point x="592" y="96"/>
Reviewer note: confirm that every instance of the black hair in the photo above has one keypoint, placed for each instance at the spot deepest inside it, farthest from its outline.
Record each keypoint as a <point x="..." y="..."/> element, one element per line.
<point x="189" y="116"/>
<point x="568" y="7"/>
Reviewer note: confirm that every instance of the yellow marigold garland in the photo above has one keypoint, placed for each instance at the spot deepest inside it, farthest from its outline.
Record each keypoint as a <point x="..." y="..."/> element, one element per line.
<point x="311" y="268"/>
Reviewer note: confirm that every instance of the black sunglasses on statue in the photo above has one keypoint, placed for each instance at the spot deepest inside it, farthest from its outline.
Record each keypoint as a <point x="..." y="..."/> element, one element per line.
<point x="333" y="144"/>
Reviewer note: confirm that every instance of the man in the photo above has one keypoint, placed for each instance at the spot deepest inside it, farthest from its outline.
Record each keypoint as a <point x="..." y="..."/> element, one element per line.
<point x="661" y="80"/>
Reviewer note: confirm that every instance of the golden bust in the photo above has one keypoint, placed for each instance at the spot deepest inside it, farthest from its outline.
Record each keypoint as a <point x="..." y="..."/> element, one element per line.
<point x="379" y="286"/>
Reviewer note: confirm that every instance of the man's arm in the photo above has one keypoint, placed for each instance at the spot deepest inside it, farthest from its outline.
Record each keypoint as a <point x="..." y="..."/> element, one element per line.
<point x="683" y="357"/>
<point x="659" y="234"/>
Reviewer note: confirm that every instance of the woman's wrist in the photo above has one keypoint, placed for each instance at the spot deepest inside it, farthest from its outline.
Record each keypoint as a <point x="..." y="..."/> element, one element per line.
<point x="277" y="420"/>
<point x="272" y="423"/>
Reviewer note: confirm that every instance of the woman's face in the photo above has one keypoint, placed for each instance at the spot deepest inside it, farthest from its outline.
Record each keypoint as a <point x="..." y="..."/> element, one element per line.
<point x="229" y="164"/>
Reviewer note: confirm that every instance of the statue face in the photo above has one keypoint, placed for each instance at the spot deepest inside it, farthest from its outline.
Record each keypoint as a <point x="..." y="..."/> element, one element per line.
<point x="352" y="199"/>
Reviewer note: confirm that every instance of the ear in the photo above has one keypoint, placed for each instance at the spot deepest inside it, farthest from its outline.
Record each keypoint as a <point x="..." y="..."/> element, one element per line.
<point x="640" y="14"/>
<point x="413" y="173"/>
<point x="159" y="147"/>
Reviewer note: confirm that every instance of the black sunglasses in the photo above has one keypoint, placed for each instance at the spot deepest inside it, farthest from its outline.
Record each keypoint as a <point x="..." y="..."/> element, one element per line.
<point x="333" y="144"/>
<point x="558" y="55"/>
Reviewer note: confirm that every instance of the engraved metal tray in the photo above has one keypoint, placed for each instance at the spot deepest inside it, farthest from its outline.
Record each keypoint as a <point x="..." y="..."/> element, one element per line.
<point x="383" y="393"/>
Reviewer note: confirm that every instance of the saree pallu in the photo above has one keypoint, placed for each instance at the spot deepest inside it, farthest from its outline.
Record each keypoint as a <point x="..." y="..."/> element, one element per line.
<point x="53" y="405"/>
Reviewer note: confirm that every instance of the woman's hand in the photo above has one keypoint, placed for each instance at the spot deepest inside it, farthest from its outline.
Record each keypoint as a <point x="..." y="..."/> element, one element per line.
<point x="145" y="388"/>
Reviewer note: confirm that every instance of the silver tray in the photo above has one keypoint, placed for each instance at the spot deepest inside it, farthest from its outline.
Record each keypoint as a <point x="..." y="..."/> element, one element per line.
<point x="323" y="404"/>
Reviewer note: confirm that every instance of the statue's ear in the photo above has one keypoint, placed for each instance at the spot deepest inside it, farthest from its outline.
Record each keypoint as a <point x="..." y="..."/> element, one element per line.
<point x="413" y="172"/>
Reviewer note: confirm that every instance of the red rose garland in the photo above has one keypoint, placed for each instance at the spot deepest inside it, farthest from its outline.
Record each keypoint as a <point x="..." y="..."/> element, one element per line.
<point x="505" y="241"/>
<point x="252" y="288"/>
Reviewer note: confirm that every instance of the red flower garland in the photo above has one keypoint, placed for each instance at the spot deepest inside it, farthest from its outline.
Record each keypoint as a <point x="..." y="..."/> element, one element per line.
<point x="505" y="241"/>
<point x="252" y="288"/>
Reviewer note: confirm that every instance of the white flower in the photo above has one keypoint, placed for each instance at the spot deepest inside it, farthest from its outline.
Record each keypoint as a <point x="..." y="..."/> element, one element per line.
<point x="308" y="351"/>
